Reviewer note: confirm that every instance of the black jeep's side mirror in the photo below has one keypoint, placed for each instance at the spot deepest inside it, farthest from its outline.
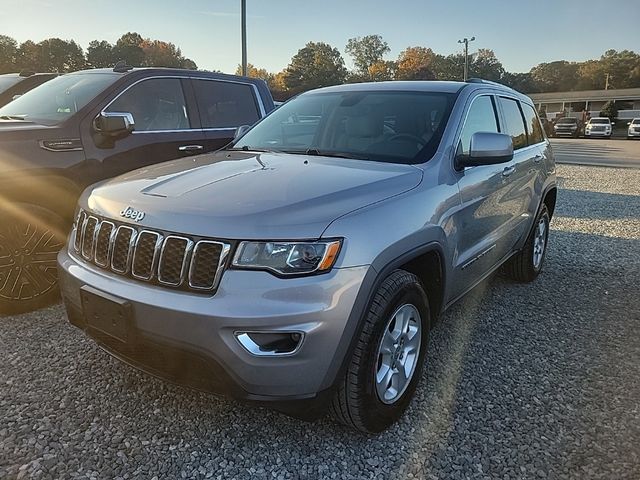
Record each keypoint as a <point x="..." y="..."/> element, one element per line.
<point x="114" y="124"/>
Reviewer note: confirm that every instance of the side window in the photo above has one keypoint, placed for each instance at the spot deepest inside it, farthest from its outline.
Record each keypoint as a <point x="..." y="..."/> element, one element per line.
<point x="156" y="104"/>
<point x="514" y="124"/>
<point x="533" y="124"/>
<point x="225" y="104"/>
<point x="481" y="118"/>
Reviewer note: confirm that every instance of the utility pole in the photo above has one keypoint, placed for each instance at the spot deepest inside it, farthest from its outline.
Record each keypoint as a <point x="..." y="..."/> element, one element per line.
<point x="606" y="82"/>
<point x="466" y="55"/>
<point x="243" y="15"/>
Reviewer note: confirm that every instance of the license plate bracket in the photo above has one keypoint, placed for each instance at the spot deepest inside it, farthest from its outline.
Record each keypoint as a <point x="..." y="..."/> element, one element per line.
<point x="109" y="315"/>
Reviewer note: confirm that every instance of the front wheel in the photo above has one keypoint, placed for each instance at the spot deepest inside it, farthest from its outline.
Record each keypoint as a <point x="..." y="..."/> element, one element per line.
<point x="527" y="264"/>
<point x="386" y="365"/>
<point x="30" y="238"/>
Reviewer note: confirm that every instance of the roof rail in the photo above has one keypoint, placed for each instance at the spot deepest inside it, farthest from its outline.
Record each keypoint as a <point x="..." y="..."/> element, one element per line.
<point x="122" y="67"/>
<point x="487" y="82"/>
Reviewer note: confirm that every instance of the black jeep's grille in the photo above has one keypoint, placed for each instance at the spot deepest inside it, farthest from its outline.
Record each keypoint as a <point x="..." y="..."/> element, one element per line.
<point x="151" y="256"/>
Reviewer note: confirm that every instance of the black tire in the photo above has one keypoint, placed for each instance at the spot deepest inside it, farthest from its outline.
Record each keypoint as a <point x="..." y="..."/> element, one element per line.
<point x="356" y="402"/>
<point x="30" y="238"/>
<point x="522" y="267"/>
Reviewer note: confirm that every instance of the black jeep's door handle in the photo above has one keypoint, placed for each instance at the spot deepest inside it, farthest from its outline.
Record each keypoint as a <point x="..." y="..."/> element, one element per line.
<point x="508" y="171"/>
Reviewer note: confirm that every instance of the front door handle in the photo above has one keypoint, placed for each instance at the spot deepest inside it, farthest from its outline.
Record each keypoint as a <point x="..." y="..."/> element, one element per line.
<point x="508" y="171"/>
<point x="537" y="158"/>
<point x="190" y="148"/>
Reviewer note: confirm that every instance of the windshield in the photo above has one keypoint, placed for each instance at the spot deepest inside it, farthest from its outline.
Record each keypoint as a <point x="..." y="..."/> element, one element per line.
<point x="636" y="121"/>
<point x="567" y="120"/>
<point x="397" y="127"/>
<point x="56" y="100"/>
<point x="599" y="120"/>
<point x="7" y="82"/>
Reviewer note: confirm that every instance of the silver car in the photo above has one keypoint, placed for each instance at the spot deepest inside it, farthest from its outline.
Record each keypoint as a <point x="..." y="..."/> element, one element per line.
<point x="303" y="266"/>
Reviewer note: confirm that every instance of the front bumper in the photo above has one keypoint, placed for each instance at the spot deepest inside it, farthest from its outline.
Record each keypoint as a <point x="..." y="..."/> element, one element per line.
<point x="597" y="133"/>
<point x="566" y="132"/>
<point x="190" y="338"/>
<point x="633" y="133"/>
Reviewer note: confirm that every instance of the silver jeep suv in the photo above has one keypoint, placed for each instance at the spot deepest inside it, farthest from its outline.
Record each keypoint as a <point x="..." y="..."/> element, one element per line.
<point x="303" y="266"/>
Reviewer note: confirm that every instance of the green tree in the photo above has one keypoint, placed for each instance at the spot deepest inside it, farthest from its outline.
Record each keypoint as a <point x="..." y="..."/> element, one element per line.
<point x="416" y="63"/>
<point x="450" y="67"/>
<point x="8" y="54"/>
<point x="255" y="72"/>
<point x="57" y="55"/>
<point x="609" y="110"/>
<point x="28" y="57"/>
<point x="556" y="76"/>
<point x="366" y="51"/>
<point x="100" y="54"/>
<point x="316" y="65"/>
<point x="484" y="64"/>
<point x="128" y="49"/>
<point x="161" y="54"/>
<point x="520" y="81"/>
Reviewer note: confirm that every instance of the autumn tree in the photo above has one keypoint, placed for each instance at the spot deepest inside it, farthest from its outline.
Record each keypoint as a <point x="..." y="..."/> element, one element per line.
<point x="416" y="63"/>
<point x="484" y="64"/>
<point x="366" y="52"/>
<point x="316" y="65"/>
<point x="128" y="49"/>
<point x="255" y="72"/>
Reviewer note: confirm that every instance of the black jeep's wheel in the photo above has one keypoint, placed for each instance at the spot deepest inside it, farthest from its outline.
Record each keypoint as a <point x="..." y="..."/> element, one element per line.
<point x="527" y="264"/>
<point x="386" y="365"/>
<point x="30" y="238"/>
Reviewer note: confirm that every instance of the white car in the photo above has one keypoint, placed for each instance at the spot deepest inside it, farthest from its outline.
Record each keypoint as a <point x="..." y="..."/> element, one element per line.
<point x="598" y="127"/>
<point x="634" y="128"/>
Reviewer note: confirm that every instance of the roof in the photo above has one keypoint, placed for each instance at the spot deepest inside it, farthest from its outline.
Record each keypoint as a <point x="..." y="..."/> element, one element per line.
<point x="409" y="86"/>
<point x="587" y="95"/>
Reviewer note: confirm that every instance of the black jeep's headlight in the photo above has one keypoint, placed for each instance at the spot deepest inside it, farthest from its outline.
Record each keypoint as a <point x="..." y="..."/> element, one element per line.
<point x="288" y="258"/>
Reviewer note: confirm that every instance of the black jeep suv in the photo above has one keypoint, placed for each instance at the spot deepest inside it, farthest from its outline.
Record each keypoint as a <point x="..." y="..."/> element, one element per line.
<point x="83" y="127"/>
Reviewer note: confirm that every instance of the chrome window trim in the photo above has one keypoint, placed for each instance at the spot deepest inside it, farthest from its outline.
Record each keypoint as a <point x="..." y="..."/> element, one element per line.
<point x="224" y="253"/>
<point x="109" y="246"/>
<point x="154" y="260"/>
<point x="258" y="100"/>
<point x="132" y="240"/>
<point x="84" y="228"/>
<point x="183" y="269"/>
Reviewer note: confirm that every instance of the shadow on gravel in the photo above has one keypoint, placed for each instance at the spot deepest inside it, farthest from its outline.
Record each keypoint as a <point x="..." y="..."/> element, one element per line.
<point x="601" y="206"/>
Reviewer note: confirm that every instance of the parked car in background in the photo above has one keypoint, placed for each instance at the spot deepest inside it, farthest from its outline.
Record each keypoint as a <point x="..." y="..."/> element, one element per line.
<point x="598" y="127"/>
<point x="90" y="125"/>
<point x="13" y="85"/>
<point x="633" y="128"/>
<point x="303" y="266"/>
<point x="567" y="127"/>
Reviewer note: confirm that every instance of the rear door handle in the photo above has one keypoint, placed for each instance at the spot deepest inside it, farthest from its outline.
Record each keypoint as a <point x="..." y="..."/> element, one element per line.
<point x="190" y="148"/>
<point x="537" y="158"/>
<point x="508" y="171"/>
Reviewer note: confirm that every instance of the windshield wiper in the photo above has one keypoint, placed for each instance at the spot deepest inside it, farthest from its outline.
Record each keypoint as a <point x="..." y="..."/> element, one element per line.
<point x="321" y="153"/>
<point x="247" y="148"/>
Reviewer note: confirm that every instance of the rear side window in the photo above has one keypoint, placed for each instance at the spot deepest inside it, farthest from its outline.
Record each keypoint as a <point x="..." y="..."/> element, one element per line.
<point x="514" y="124"/>
<point x="156" y="104"/>
<point x="481" y="118"/>
<point x="225" y="104"/>
<point x="533" y="124"/>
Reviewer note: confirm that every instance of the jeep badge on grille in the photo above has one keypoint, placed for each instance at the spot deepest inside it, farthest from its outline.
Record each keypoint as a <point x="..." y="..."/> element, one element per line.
<point x="135" y="215"/>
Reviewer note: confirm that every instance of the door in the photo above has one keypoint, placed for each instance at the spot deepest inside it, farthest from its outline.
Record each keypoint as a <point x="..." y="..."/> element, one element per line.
<point x="223" y="107"/>
<point x="486" y="210"/>
<point x="166" y="128"/>
<point x="526" y="163"/>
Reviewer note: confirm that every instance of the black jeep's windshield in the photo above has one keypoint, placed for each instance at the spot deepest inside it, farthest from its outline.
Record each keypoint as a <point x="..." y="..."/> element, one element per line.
<point x="396" y="127"/>
<point x="56" y="100"/>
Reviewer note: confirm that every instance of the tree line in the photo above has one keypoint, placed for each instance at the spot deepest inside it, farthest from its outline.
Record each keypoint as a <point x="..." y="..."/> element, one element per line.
<point x="57" y="55"/>
<point x="319" y="64"/>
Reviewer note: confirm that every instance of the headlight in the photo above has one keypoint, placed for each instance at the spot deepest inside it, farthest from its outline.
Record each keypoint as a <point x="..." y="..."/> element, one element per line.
<point x="288" y="258"/>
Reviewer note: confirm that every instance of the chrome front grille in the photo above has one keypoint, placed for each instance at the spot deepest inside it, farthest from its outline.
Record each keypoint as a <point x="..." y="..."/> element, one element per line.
<point x="148" y="255"/>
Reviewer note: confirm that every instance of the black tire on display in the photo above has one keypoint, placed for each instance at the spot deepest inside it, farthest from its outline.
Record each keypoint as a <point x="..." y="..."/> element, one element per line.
<point x="30" y="238"/>
<point x="387" y="362"/>
<point x="527" y="264"/>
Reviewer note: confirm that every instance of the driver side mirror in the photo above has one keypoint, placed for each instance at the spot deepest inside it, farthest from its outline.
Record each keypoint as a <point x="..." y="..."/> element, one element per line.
<point x="487" y="148"/>
<point x="114" y="124"/>
<point x="241" y="130"/>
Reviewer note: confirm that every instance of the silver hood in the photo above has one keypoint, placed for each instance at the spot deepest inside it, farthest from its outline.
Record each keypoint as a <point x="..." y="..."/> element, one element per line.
<point x="243" y="195"/>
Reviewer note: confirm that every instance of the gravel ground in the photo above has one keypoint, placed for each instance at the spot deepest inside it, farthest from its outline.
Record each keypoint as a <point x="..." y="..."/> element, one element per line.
<point x="522" y="381"/>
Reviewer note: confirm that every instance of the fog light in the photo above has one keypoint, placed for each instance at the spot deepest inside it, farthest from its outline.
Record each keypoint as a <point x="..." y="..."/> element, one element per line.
<point x="269" y="344"/>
